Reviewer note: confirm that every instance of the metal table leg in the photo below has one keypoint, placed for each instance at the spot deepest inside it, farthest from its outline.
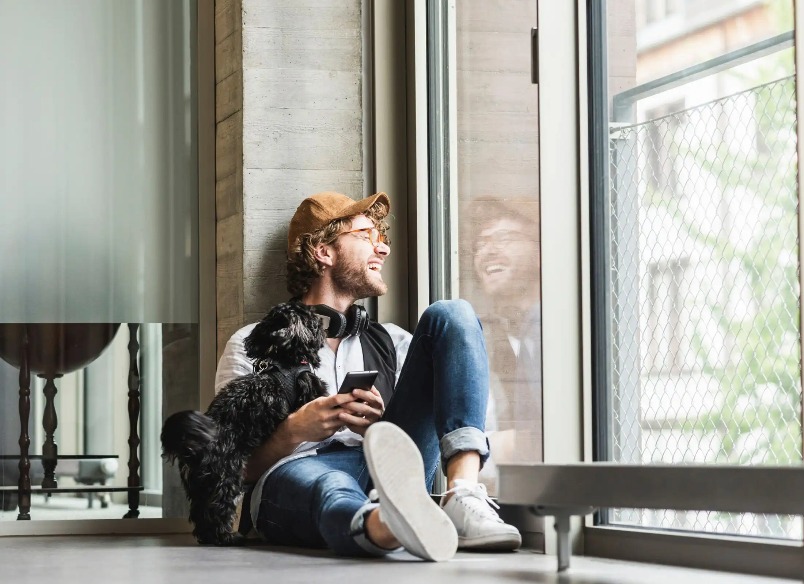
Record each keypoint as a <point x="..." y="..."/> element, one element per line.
<point x="562" y="517"/>
<point x="562" y="526"/>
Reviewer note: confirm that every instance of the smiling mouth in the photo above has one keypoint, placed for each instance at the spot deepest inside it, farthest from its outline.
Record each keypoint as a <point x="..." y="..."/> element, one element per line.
<point x="494" y="269"/>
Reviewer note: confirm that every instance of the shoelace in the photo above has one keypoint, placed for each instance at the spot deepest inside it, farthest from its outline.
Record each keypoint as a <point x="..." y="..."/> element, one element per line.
<point x="476" y="498"/>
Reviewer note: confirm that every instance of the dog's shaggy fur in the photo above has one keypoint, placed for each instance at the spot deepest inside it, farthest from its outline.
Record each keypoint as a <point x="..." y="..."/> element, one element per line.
<point x="212" y="448"/>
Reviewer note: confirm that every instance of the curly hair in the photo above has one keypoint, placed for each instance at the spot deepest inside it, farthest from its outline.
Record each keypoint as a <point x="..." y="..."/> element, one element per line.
<point x="302" y="267"/>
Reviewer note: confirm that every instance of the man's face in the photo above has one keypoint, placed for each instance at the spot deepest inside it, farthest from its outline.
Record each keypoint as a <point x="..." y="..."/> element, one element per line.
<point x="357" y="270"/>
<point x="506" y="258"/>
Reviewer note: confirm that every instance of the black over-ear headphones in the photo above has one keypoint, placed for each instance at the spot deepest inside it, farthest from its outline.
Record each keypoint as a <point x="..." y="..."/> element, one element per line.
<point x="338" y="325"/>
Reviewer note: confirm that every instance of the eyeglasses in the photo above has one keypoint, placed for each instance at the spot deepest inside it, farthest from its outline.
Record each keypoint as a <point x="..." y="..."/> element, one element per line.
<point x="372" y="234"/>
<point x="503" y="239"/>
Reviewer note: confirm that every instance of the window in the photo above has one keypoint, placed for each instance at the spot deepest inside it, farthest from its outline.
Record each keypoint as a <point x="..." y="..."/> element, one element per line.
<point x="658" y="10"/>
<point x="484" y="202"/>
<point x="666" y="319"/>
<point x="700" y="253"/>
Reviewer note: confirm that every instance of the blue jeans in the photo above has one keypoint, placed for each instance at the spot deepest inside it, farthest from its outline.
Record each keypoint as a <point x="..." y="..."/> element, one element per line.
<point x="439" y="401"/>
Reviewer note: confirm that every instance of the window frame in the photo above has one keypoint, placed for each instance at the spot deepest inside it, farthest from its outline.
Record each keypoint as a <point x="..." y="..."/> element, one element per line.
<point x="779" y="558"/>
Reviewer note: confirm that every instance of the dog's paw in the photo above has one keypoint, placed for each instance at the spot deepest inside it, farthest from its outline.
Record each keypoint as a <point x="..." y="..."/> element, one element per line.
<point x="206" y="536"/>
<point x="231" y="539"/>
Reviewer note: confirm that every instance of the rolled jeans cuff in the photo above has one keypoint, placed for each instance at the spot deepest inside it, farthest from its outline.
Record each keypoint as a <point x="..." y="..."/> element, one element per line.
<point x="463" y="440"/>
<point x="358" y="531"/>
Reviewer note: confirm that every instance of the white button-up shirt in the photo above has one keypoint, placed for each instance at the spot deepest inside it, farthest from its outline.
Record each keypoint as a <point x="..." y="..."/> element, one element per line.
<point x="334" y="367"/>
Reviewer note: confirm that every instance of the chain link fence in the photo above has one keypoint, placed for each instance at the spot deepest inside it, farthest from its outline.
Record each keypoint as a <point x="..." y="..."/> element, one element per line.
<point x="705" y="296"/>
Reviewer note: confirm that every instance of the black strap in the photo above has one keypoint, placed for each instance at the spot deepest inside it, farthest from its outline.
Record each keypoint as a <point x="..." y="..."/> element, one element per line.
<point x="286" y="376"/>
<point x="379" y="354"/>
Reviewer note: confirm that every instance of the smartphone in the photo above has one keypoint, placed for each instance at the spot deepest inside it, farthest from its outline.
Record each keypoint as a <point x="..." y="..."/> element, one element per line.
<point x="358" y="380"/>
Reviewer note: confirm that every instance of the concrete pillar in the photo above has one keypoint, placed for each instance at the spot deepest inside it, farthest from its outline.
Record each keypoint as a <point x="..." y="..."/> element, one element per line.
<point x="289" y="123"/>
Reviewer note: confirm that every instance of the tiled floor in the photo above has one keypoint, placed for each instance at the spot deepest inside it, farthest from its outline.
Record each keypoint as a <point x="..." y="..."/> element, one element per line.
<point x="151" y="559"/>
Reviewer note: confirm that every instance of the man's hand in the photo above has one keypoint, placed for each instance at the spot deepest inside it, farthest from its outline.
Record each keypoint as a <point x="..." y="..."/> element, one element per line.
<point x="313" y="422"/>
<point x="366" y="408"/>
<point x="317" y="420"/>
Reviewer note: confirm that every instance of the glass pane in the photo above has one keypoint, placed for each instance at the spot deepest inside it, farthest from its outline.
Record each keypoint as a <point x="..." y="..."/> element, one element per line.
<point x="703" y="244"/>
<point x="98" y="167"/>
<point x="498" y="215"/>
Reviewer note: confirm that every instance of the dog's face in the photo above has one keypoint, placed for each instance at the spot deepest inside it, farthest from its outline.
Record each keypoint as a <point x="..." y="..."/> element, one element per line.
<point x="290" y="334"/>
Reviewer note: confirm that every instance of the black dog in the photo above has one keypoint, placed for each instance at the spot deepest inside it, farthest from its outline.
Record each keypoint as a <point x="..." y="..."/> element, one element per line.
<point x="212" y="448"/>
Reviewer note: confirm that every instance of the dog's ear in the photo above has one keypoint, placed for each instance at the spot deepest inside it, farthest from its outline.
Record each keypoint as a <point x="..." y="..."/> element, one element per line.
<point x="262" y="336"/>
<point x="307" y="331"/>
<point x="291" y="332"/>
<point x="306" y="327"/>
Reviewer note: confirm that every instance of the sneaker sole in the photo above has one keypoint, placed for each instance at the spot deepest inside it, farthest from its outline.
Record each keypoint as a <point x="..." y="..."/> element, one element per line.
<point x="396" y="468"/>
<point x="498" y="543"/>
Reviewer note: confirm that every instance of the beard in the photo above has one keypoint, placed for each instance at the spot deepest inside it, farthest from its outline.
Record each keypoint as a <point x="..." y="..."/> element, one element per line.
<point x="352" y="278"/>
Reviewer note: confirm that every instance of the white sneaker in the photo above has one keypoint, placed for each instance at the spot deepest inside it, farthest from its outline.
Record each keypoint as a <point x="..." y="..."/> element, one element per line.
<point x="478" y="525"/>
<point x="397" y="470"/>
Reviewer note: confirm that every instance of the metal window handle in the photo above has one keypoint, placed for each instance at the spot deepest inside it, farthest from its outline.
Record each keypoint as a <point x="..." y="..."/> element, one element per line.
<point x="534" y="55"/>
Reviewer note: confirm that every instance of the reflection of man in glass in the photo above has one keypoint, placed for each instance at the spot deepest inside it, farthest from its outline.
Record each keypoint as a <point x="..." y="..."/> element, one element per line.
<point x="506" y="259"/>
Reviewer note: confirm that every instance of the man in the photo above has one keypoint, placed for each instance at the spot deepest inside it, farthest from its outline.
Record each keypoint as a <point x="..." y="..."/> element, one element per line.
<point x="506" y="259"/>
<point x="314" y="475"/>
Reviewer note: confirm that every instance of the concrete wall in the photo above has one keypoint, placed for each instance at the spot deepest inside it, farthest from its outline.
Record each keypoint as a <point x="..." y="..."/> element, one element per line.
<point x="289" y="112"/>
<point x="229" y="166"/>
